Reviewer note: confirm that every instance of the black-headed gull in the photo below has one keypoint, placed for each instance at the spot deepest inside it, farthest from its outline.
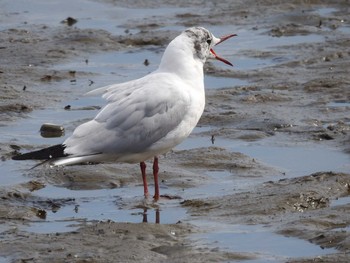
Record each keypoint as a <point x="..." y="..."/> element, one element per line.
<point x="145" y="117"/>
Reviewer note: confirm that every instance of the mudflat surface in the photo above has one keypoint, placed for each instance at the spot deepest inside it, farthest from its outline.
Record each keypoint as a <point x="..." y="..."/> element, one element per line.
<point x="265" y="177"/>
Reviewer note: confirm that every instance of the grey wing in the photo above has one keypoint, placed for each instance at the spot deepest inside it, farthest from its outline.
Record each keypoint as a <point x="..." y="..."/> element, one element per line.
<point x="134" y="121"/>
<point x="118" y="91"/>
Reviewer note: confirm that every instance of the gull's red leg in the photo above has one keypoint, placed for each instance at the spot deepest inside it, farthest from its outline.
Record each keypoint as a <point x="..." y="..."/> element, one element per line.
<point x="144" y="179"/>
<point x="155" y="175"/>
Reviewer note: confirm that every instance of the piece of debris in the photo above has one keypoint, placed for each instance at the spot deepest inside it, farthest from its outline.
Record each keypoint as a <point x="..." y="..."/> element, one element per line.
<point x="69" y="21"/>
<point x="49" y="130"/>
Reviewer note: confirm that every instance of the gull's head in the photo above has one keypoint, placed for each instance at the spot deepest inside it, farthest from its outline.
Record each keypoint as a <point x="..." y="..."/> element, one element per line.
<point x="202" y="42"/>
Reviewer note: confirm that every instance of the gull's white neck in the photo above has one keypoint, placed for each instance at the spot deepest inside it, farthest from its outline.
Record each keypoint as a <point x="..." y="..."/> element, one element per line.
<point x="178" y="59"/>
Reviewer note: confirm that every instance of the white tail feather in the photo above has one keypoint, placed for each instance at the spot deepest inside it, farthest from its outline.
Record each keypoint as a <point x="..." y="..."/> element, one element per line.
<point x="75" y="160"/>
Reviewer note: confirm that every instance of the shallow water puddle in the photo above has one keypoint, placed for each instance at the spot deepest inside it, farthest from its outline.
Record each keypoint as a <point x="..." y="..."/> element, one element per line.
<point x="338" y="104"/>
<point x="10" y="175"/>
<point x="212" y="82"/>
<point x="253" y="58"/>
<point x="116" y="67"/>
<point x="257" y="240"/>
<point x="291" y="159"/>
<point x="340" y="201"/>
<point x="219" y="182"/>
<point x="89" y="14"/>
<point x="27" y="130"/>
<point x="117" y="205"/>
<point x="299" y="160"/>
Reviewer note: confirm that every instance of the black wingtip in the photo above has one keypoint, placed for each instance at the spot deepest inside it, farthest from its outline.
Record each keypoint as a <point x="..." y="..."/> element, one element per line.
<point x="55" y="151"/>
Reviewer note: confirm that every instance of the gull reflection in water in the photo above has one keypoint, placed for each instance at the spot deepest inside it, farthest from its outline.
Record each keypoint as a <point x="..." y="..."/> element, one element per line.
<point x="144" y="215"/>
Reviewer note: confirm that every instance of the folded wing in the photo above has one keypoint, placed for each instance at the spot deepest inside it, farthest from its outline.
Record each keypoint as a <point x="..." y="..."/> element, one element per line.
<point x="138" y="115"/>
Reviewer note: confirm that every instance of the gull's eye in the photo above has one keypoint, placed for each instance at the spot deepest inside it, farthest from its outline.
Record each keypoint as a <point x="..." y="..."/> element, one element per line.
<point x="209" y="41"/>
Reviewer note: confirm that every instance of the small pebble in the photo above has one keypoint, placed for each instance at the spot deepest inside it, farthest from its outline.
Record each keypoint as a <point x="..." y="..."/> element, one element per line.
<point x="70" y="21"/>
<point x="49" y="130"/>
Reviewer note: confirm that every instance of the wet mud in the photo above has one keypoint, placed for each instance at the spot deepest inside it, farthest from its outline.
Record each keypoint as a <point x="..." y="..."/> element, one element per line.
<point x="295" y="97"/>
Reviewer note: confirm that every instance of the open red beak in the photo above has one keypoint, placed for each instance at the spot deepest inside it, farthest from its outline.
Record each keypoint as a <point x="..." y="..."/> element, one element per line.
<point x="222" y="39"/>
